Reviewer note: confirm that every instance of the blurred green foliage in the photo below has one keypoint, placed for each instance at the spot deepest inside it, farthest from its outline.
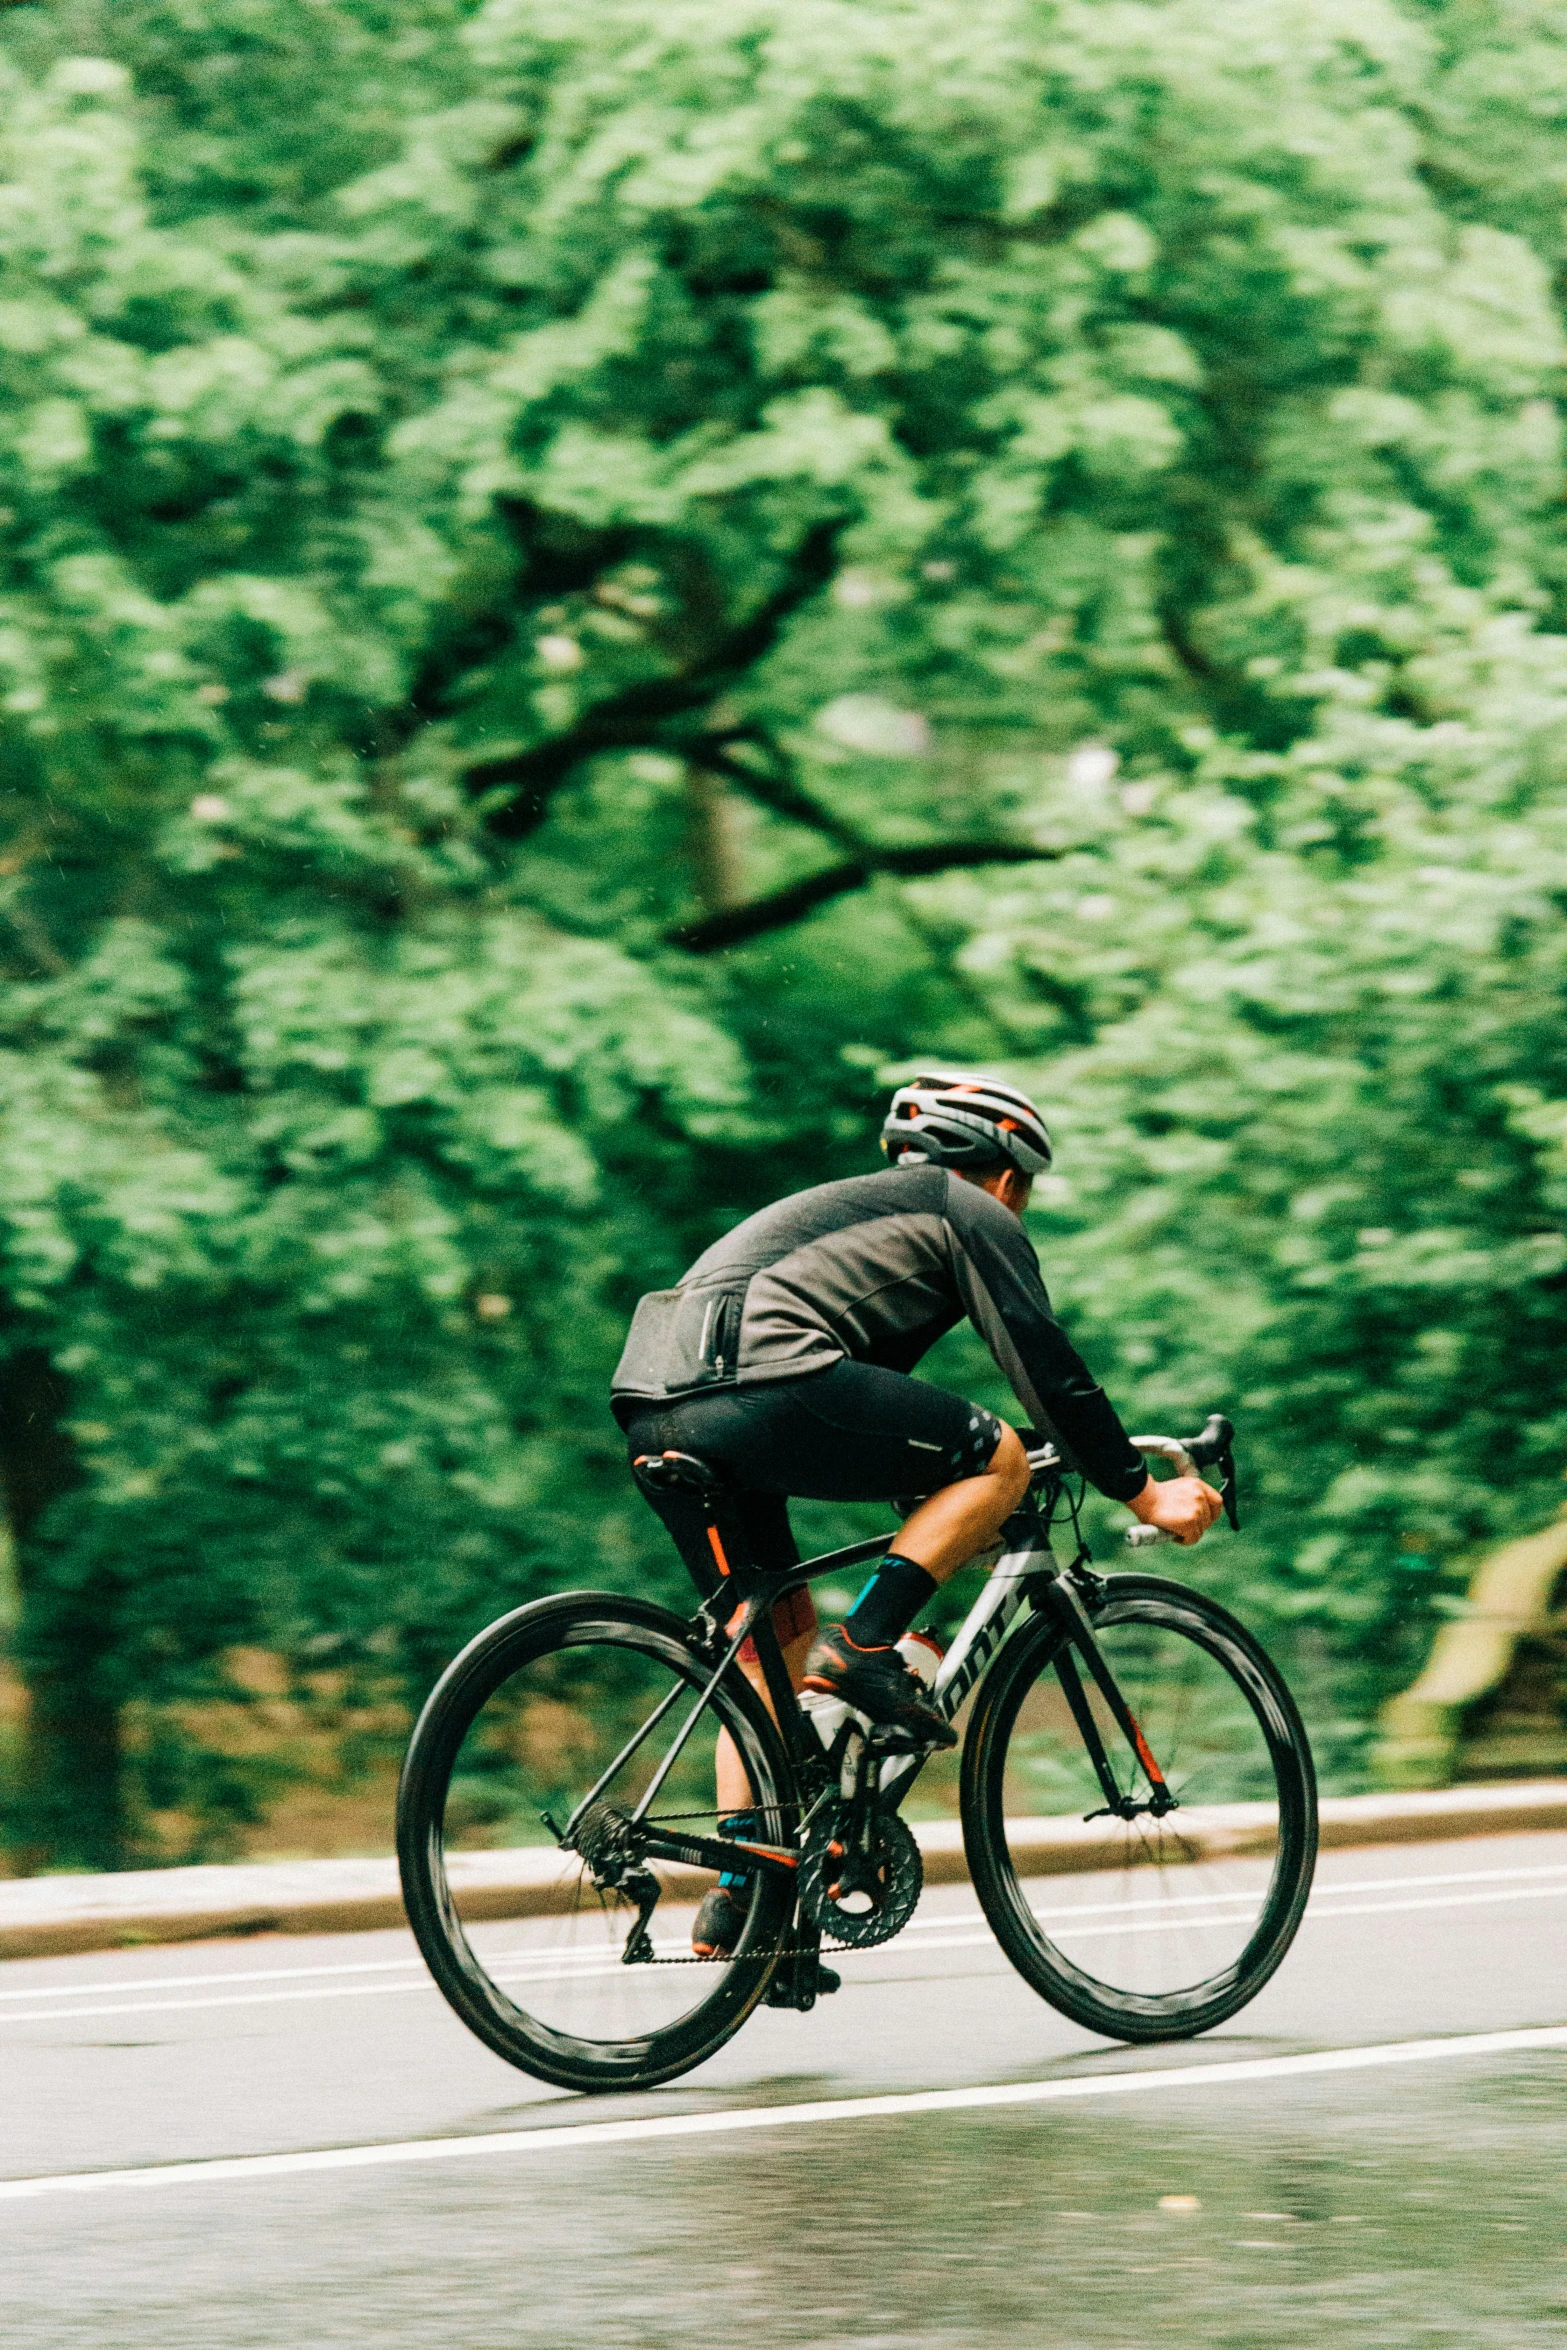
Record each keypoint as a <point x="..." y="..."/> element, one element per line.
<point x="580" y="584"/>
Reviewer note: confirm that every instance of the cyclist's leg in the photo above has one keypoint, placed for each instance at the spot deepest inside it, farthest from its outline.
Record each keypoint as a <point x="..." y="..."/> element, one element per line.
<point x="869" y="1422"/>
<point x="751" y="1526"/>
<point x="853" y="1432"/>
<point x="858" y="1432"/>
<point x="794" y="1622"/>
<point x="950" y="1525"/>
<point x="870" y="1426"/>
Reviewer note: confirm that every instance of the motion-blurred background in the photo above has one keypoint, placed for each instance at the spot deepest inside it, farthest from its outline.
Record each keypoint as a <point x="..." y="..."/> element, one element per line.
<point x="582" y="588"/>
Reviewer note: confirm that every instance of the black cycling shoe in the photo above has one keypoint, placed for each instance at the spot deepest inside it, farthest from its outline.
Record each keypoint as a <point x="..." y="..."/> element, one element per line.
<point x="719" y="1923"/>
<point x="877" y="1682"/>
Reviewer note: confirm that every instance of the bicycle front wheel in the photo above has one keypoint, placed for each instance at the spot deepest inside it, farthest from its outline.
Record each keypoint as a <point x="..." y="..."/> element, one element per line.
<point x="570" y="1698"/>
<point x="1145" y="1927"/>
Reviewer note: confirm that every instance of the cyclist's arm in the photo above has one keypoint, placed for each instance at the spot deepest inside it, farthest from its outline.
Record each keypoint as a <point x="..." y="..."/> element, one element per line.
<point x="998" y="1275"/>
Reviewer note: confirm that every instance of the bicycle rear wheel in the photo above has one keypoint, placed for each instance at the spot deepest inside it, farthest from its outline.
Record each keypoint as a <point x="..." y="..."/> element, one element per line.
<point x="531" y="1718"/>
<point x="1148" y="1928"/>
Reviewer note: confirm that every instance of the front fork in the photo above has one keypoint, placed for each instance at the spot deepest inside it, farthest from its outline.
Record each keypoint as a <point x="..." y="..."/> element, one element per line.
<point x="1055" y="1595"/>
<point x="1026" y="1570"/>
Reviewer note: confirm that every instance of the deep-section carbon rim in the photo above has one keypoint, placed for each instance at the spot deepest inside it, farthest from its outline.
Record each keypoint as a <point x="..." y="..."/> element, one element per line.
<point x="1149" y="1928"/>
<point x="525" y="1720"/>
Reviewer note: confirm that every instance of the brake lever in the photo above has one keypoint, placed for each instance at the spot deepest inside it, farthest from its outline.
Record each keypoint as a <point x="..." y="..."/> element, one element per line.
<point x="1221" y="1465"/>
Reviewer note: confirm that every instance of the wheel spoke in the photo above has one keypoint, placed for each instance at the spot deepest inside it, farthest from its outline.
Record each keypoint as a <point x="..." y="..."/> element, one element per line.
<point x="607" y="1776"/>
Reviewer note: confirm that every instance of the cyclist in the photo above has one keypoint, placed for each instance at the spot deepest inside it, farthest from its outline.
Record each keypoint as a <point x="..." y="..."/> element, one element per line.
<point x="783" y="1360"/>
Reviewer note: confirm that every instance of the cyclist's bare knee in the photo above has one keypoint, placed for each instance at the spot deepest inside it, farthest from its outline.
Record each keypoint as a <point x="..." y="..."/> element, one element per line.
<point x="1009" y="1466"/>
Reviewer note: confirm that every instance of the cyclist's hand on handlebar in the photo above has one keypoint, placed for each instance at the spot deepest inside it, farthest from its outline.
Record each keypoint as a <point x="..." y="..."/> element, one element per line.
<point x="1184" y="1507"/>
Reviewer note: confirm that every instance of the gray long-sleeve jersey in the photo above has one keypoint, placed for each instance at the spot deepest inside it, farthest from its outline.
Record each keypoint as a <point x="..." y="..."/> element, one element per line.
<point x="876" y="1269"/>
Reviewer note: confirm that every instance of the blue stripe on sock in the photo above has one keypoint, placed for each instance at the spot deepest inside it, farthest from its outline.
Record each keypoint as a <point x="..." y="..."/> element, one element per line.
<point x="892" y="1598"/>
<point x="738" y="1823"/>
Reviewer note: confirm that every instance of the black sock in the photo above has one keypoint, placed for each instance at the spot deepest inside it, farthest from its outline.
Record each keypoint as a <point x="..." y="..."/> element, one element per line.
<point x="889" y="1603"/>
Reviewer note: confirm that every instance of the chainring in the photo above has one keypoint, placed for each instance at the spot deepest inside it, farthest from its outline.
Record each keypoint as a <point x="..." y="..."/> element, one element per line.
<point x="891" y="1877"/>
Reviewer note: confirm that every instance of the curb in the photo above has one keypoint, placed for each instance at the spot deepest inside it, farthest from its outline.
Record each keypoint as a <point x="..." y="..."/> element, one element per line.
<point x="59" y="1917"/>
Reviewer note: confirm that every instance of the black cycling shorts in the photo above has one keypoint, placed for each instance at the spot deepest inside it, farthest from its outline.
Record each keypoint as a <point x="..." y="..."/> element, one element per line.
<point x="853" y="1432"/>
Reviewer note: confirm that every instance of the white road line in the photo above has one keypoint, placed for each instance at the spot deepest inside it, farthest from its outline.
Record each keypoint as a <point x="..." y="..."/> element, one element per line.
<point x="1315" y="1914"/>
<point x="1376" y="1909"/>
<point x="549" y="1966"/>
<point x="931" y="1925"/>
<point x="80" y="2015"/>
<point x="265" y="1974"/>
<point x="555" y="1965"/>
<point x="1325" y="1888"/>
<point x="568" y="2137"/>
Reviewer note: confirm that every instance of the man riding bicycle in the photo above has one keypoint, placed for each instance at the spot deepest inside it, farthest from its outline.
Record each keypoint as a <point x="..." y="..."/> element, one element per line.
<point x="782" y="1360"/>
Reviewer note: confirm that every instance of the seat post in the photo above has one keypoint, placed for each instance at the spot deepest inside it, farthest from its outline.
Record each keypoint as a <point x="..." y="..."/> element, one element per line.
<point x="682" y="1472"/>
<point x="740" y="1580"/>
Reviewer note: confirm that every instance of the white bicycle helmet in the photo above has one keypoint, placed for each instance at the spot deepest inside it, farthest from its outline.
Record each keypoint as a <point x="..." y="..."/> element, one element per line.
<point x="950" y="1119"/>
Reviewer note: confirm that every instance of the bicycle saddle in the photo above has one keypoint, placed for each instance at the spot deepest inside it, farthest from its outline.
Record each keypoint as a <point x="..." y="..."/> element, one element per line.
<point x="678" y="1472"/>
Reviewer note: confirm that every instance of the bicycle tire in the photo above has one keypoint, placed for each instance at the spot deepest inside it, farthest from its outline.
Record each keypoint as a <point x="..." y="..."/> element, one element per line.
<point x="1154" y="1605"/>
<point x="544" y="1630"/>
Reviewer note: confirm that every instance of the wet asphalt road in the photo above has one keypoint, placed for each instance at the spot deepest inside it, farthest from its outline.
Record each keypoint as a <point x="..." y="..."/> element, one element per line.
<point x="1418" y="2203"/>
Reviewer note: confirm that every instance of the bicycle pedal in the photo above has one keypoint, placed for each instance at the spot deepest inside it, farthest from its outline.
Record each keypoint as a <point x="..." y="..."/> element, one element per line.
<point x="784" y="1991"/>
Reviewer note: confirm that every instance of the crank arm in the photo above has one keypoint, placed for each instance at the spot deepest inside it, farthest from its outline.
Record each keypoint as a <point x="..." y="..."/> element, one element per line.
<point x="802" y="1979"/>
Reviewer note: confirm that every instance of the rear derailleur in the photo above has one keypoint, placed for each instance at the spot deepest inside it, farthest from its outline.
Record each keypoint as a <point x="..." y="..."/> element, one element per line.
<point x="607" y="1841"/>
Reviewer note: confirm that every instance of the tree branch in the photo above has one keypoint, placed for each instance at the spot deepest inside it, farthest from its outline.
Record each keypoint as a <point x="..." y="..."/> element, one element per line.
<point x="733" y="925"/>
<point x="1186" y="649"/>
<point x="26" y="927"/>
<point x="777" y="788"/>
<point x="636" y="717"/>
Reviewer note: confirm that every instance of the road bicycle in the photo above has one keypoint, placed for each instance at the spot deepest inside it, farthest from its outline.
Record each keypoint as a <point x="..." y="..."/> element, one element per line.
<point x="1135" y="1785"/>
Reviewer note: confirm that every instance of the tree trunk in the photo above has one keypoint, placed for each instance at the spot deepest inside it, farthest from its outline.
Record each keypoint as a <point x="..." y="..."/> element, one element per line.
<point x="70" y="1812"/>
<point x="711" y="845"/>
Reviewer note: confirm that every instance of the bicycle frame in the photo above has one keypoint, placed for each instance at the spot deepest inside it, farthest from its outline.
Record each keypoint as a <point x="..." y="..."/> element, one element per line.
<point x="1036" y="1673"/>
<point x="1026" y="1571"/>
<point x="978" y="1639"/>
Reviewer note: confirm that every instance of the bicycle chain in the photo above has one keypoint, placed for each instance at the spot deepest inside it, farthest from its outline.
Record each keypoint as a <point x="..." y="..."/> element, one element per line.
<point x="729" y="1958"/>
<point x="827" y="1939"/>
